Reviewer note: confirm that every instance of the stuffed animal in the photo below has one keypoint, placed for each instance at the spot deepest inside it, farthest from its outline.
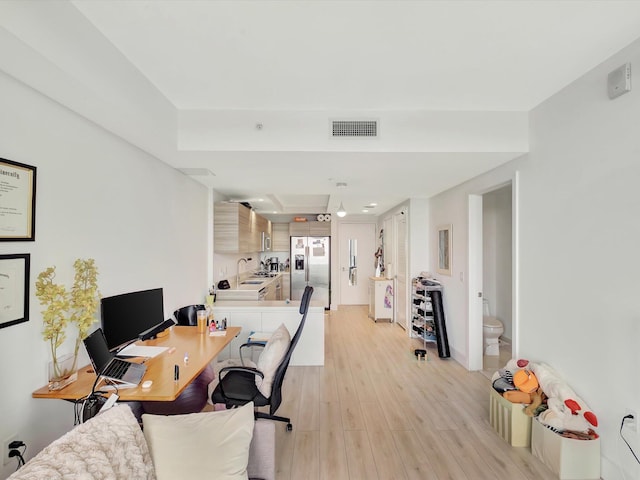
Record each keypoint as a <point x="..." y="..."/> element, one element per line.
<point x="563" y="401"/>
<point x="514" y="382"/>
<point x="537" y="399"/>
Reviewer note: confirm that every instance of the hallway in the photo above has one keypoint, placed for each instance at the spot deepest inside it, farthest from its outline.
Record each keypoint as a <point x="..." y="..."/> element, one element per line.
<point x="375" y="412"/>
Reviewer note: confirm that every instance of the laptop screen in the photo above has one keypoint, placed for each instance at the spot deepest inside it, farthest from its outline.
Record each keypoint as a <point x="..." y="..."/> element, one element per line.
<point x="97" y="350"/>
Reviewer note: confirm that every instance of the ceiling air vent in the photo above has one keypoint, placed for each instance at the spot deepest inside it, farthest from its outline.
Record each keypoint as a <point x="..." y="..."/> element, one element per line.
<point x="354" y="128"/>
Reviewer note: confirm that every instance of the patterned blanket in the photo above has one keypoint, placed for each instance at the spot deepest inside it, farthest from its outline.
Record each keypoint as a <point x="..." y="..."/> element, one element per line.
<point x="110" y="446"/>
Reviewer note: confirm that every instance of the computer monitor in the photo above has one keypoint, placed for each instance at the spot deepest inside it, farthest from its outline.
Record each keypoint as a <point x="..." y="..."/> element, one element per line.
<point x="127" y="315"/>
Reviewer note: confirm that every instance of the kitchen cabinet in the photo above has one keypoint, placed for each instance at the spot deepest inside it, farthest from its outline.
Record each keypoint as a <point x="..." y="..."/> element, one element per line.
<point x="238" y="229"/>
<point x="310" y="229"/>
<point x="232" y="228"/>
<point x="279" y="237"/>
<point x="259" y="226"/>
<point x="266" y="317"/>
<point x="427" y="315"/>
<point x="286" y="285"/>
<point x="278" y="288"/>
<point x="380" y="298"/>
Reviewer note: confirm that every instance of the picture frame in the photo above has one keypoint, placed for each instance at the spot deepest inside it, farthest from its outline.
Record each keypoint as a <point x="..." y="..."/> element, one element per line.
<point x="17" y="201"/>
<point x="14" y="289"/>
<point x="445" y="249"/>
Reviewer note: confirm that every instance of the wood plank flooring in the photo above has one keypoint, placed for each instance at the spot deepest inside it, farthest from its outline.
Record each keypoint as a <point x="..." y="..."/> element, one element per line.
<point x="375" y="412"/>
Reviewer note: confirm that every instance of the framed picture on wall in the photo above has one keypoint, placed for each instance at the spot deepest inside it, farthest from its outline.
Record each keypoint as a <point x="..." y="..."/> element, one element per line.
<point x="14" y="289"/>
<point x="17" y="201"/>
<point x="444" y="250"/>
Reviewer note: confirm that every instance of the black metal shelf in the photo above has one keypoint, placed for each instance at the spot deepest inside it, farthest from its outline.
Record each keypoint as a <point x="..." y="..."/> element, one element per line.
<point x="427" y="315"/>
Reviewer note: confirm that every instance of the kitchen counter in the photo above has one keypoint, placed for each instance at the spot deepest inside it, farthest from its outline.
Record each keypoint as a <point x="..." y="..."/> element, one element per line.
<point x="266" y="316"/>
<point x="249" y="288"/>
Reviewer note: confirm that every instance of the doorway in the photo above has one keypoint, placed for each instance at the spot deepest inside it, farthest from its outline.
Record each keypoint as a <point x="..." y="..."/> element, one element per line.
<point x="493" y="272"/>
<point x="357" y="261"/>
<point x="497" y="270"/>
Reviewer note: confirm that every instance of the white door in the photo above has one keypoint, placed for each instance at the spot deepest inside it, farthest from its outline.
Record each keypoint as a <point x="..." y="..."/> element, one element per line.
<point x="401" y="291"/>
<point x="357" y="261"/>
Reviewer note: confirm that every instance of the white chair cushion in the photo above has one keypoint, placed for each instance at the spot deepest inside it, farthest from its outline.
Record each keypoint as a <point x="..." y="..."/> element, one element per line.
<point x="271" y="357"/>
<point x="202" y="445"/>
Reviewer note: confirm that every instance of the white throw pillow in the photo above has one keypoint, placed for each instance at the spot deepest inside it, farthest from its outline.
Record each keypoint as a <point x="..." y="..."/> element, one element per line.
<point x="202" y="445"/>
<point x="271" y="357"/>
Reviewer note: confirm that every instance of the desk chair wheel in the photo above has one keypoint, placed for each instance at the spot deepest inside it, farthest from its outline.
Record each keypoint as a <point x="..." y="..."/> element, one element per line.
<point x="289" y="427"/>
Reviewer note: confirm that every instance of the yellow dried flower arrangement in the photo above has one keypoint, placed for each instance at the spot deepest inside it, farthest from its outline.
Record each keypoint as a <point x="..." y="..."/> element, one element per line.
<point x="79" y="307"/>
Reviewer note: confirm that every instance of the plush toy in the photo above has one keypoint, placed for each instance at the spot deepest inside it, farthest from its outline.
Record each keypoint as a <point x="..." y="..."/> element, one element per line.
<point x="563" y="401"/>
<point x="514" y="382"/>
<point x="537" y="398"/>
<point x="510" y="369"/>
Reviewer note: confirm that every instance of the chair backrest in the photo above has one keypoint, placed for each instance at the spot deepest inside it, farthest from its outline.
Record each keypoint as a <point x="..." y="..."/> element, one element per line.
<point x="278" y="378"/>
<point x="187" y="315"/>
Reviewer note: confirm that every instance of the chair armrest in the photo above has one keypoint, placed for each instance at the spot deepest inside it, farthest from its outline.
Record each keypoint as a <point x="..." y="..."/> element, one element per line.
<point x="253" y="344"/>
<point x="236" y="395"/>
<point x="225" y="370"/>
<point x="247" y="345"/>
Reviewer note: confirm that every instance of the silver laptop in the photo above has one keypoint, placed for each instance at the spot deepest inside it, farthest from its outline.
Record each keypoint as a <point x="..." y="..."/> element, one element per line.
<point x="116" y="371"/>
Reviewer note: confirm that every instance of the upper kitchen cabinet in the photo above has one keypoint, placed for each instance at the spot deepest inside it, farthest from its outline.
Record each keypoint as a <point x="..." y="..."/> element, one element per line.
<point x="280" y="237"/>
<point x="232" y="228"/>
<point x="310" y="229"/>
<point x="238" y="229"/>
<point x="260" y="233"/>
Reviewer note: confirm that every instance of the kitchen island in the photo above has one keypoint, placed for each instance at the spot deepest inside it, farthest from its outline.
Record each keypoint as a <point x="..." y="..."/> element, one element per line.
<point x="266" y="316"/>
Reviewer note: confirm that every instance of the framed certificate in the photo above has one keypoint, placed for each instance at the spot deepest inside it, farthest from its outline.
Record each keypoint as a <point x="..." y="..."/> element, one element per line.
<point x="14" y="289"/>
<point x="17" y="201"/>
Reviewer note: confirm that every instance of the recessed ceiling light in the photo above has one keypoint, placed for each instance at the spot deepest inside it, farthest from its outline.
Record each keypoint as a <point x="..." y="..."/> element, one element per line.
<point x="365" y="211"/>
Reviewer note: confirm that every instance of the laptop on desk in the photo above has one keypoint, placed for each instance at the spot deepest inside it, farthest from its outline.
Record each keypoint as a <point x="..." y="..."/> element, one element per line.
<point x="117" y="372"/>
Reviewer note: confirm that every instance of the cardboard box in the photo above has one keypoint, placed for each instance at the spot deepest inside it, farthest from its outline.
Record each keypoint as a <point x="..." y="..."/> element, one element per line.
<point x="568" y="458"/>
<point x="509" y="420"/>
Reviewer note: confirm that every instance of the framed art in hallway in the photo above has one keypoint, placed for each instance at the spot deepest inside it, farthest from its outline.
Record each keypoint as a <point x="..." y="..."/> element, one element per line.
<point x="14" y="289"/>
<point x="444" y="250"/>
<point x="17" y="201"/>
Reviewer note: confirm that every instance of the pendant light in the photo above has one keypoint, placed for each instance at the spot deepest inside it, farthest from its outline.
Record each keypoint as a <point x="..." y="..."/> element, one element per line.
<point x="341" y="211"/>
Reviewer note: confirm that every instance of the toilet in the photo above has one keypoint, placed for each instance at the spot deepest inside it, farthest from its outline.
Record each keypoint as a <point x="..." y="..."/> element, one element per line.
<point x="492" y="328"/>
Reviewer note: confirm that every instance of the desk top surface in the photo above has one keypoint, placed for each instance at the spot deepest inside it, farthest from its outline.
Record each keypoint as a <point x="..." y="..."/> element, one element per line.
<point x="201" y="349"/>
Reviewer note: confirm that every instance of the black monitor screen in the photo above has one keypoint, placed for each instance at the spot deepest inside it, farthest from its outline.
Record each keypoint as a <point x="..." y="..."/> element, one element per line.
<point x="127" y="315"/>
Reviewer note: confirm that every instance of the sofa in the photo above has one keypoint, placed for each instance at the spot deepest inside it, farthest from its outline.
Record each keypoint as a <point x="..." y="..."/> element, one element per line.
<point x="227" y="444"/>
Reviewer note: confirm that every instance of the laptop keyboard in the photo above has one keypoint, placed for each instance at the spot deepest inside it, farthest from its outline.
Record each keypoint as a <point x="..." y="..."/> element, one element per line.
<point x="116" y="369"/>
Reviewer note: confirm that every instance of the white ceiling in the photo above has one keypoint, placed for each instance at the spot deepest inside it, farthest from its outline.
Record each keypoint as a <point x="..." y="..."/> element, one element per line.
<point x="273" y="61"/>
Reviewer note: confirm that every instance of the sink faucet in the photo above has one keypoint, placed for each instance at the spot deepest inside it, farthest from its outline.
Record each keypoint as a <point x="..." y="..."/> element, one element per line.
<point x="245" y="260"/>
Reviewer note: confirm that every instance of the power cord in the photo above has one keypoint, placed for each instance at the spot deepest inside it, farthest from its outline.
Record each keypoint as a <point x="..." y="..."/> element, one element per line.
<point x="14" y="452"/>
<point x="625" y="418"/>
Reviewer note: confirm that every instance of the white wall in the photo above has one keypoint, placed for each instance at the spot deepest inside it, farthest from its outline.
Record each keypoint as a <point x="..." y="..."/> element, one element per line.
<point x="144" y="223"/>
<point x="578" y="237"/>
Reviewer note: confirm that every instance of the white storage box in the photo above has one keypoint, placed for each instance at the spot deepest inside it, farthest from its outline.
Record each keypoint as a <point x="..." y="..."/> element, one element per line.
<point x="569" y="458"/>
<point x="509" y="420"/>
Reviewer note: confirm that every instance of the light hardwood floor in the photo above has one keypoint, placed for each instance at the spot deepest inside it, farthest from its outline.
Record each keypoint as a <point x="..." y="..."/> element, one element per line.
<point x="375" y="412"/>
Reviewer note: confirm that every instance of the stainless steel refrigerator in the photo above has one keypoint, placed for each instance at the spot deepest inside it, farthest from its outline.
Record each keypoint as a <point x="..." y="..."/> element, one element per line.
<point x="310" y="265"/>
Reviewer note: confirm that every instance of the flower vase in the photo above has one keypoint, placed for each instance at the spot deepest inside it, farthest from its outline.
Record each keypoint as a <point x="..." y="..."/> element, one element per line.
<point x="62" y="372"/>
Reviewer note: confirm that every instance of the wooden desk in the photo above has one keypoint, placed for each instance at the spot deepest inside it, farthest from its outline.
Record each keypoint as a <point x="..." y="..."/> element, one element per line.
<point x="201" y="349"/>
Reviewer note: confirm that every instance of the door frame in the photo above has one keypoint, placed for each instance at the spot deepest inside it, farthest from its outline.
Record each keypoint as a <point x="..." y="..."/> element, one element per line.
<point x="475" y="268"/>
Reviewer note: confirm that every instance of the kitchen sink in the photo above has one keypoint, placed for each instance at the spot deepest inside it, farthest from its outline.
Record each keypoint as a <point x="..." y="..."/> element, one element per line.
<point x="252" y="282"/>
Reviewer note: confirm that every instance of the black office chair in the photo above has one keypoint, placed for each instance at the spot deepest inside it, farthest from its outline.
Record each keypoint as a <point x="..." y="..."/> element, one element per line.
<point x="187" y="315"/>
<point x="237" y="385"/>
